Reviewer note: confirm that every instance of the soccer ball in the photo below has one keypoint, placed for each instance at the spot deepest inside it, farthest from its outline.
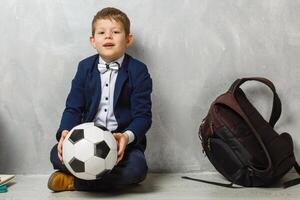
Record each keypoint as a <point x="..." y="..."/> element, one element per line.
<point x="89" y="152"/>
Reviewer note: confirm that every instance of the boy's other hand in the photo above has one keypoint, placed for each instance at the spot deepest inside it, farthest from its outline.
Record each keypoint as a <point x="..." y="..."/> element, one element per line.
<point x="59" y="146"/>
<point x="122" y="141"/>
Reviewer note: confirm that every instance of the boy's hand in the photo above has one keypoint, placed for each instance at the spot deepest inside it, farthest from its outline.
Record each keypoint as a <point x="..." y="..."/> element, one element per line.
<point x="59" y="146"/>
<point x="122" y="141"/>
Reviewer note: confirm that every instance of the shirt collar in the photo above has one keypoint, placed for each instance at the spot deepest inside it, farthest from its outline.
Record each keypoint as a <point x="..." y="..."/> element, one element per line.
<point x="119" y="60"/>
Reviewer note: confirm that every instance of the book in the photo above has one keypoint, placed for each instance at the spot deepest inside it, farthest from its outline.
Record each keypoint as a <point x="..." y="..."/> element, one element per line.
<point x="5" y="178"/>
<point x="3" y="188"/>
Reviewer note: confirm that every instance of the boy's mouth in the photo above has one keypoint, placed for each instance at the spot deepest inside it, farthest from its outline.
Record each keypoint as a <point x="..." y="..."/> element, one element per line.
<point x="108" y="44"/>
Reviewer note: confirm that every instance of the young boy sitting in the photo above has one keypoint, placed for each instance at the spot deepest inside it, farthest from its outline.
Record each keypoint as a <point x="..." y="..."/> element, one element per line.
<point x="114" y="90"/>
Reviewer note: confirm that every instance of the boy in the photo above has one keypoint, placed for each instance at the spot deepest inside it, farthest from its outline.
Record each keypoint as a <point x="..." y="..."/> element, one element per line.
<point x="114" y="90"/>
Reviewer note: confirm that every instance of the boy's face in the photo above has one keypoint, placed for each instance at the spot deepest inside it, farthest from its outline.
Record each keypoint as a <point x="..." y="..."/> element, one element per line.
<point x="110" y="39"/>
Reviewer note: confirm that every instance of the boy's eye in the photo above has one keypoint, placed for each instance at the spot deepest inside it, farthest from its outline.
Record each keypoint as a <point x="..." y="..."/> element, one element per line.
<point x="101" y="32"/>
<point x="116" y="32"/>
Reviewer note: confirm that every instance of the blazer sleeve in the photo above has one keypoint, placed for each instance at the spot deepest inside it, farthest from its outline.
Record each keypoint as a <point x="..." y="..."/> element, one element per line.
<point x="75" y="102"/>
<point x="141" y="103"/>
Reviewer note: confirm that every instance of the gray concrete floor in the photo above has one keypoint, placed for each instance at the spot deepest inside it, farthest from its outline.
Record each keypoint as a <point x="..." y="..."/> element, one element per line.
<point x="156" y="186"/>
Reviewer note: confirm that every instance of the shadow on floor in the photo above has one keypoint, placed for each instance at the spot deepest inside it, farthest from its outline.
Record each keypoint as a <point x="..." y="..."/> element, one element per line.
<point x="150" y="185"/>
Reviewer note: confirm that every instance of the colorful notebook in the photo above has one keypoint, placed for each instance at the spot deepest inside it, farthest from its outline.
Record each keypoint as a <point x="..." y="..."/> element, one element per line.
<point x="5" y="178"/>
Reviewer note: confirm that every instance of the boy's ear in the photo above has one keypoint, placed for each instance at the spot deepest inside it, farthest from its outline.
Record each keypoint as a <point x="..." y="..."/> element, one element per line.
<point x="92" y="41"/>
<point x="129" y="40"/>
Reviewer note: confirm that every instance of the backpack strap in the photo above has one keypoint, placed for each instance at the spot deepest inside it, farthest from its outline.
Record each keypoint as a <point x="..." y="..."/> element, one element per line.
<point x="276" y="109"/>
<point x="295" y="181"/>
<point x="291" y="183"/>
<point x="236" y="176"/>
<point x="297" y="167"/>
<point x="228" y="185"/>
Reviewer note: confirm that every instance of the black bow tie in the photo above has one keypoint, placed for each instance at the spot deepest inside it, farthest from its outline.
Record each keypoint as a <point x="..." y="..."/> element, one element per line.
<point x="105" y="67"/>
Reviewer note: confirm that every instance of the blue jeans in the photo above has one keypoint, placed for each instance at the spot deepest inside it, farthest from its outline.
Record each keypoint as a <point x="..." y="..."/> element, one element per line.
<point x="132" y="169"/>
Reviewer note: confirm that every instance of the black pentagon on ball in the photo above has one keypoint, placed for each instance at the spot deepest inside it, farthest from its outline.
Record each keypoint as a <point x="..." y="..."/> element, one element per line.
<point x="101" y="149"/>
<point x="77" y="165"/>
<point x="101" y="174"/>
<point x="76" y="135"/>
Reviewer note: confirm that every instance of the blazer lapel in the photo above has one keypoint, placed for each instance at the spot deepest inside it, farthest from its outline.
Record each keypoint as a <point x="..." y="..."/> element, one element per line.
<point x="121" y="78"/>
<point x="94" y="88"/>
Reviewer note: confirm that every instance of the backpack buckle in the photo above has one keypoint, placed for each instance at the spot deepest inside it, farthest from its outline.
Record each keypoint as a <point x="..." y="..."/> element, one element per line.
<point x="250" y="171"/>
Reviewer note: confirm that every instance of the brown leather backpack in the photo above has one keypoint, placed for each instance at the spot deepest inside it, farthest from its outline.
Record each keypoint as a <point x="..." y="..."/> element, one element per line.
<point x="241" y="145"/>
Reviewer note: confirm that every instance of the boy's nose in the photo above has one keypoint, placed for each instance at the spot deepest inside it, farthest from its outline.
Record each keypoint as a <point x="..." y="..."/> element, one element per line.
<point x="108" y="35"/>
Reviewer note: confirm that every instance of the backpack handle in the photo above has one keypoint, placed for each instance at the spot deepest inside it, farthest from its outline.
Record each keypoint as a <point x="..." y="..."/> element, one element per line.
<point x="276" y="109"/>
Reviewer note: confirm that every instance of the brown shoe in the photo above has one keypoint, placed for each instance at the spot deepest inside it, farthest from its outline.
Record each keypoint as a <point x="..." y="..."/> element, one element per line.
<point x="60" y="181"/>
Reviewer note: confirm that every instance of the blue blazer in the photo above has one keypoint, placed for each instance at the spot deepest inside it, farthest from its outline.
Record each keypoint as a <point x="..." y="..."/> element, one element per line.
<point x="132" y="98"/>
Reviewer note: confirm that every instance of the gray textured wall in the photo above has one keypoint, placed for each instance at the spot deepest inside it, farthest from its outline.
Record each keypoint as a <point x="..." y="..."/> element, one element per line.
<point x="194" y="50"/>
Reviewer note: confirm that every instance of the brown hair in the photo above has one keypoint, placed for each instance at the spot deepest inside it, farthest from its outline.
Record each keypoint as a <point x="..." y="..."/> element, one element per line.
<point x="115" y="14"/>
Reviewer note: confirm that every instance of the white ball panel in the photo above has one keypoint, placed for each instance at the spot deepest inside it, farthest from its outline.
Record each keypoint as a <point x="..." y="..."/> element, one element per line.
<point x="95" y="165"/>
<point x="93" y="134"/>
<point x="84" y="150"/>
<point x="110" y="140"/>
<point x="85" y="176"/>
<point x="68" y="150"/>
<point x="111" y="159"/>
